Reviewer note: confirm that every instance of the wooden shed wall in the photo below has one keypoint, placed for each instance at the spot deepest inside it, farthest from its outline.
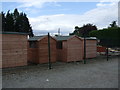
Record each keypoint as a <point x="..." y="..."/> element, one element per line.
<point x="14" y="50"/>
<point x="71" y="51"/>
<point x="33" y="55"/>
<point x="43" y="50"/>
<point x="40" y="54"/>
<point x="62" y="53"/>
<point x="74" y="49"/>
<point x="91" y="48"/>
<point x="0" y="50"/>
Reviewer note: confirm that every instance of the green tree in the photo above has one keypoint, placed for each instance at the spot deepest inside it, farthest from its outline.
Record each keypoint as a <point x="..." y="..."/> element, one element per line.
<point x="16" y="14"/>
<point x="16" y="22"/>
<point x="16" y="17"/>
<point x="113" y="24"/>
<point x="108" y="37"/>
<point x="26" y="21"/>
<point x="76" y="31"/>
<point x="3" y="21"/>
<point x="31" y="32"/>
<point x="84" y="30"/>
<point x="27" y="26"/>
<point x="9" y="22"/>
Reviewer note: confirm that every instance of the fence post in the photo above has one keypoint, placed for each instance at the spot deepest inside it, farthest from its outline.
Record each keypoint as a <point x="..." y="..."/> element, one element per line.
<point x="84" y="50"/>
<point x="49" y="55"/>
<point x="107" y="53"/>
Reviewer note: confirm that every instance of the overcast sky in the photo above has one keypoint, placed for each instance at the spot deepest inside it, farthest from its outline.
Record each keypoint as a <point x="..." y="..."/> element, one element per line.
<point x="49" y="15"/>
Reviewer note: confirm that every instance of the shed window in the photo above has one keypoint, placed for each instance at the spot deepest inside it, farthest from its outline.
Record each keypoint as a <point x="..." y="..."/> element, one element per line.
<point x="32" y="44"/>
<point x="59" y="45"/>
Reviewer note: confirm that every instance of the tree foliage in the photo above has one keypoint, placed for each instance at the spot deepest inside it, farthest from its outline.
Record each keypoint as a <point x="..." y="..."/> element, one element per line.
<point x="16" y="22"/>
<point x="76" y="31"/>
<point x="9" y="22"/>
<point x="3" y="21"/>
<point x="84" y="30"/>
<point x="108" y="37"/>
<point x="113" y="24"/>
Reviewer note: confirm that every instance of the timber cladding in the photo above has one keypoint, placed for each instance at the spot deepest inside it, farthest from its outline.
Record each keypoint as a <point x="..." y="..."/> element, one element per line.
<point x="14" y="50"/>
<point x="17" y="50"/>
<point x="71" y="49"/>
<point x="74" y="51"/>
<point x="62" y="53"/>
<point x="39" y="53"/>
<point x="32" y="55"/>
<point x="91" y="48"/>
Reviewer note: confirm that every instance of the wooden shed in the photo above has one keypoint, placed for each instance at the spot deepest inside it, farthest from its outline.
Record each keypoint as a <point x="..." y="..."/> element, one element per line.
<point x="38" y="49"/>
<point x="69" y="48"/>
<point x="91" y="47"/>
<point x="14" y="49"/>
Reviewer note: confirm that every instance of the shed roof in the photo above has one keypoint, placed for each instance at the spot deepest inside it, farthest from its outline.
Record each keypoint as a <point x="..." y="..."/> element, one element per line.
<point x="61" y="38"/>
<point x="90" y="38"/>
<point x="36" y="38"/>
<point x="64" y="38"/>
<point x="21" y="33"/>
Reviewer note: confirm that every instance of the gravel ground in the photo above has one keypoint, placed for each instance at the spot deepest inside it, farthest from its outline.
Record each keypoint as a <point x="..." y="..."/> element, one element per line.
<point x="97" y="73"/>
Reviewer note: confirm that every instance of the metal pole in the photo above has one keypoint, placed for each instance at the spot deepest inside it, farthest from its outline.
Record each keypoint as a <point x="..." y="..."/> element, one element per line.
<point x="84" y="49"/>
<point x="49" y="56"/>
<point x="107" y="53"/>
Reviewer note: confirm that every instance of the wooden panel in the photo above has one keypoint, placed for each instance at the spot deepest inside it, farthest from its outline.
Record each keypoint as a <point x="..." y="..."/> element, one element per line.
<point x="43" y="50"/>
<point x="74" y="49"/>
<point x="0" y="50"/>
<point x="14" y="50"/>
<point x="91" y="48"/>
<point x="0" y="37"/>
<point x="33" y="55"/>
<point x="62" y="53"/>
<point x="14" y="37"/>
<point x="14" y="44"/>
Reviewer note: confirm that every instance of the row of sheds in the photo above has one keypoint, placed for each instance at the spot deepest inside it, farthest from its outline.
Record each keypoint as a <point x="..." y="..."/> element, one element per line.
<point x="18" y="50"/>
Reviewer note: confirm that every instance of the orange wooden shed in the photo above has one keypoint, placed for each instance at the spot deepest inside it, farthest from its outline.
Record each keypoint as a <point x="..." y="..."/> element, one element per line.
<point x="38" y="49"/>
<point x="14" y="49"/>
<point x="69" y="48"/>
<point x="91" y="47"/>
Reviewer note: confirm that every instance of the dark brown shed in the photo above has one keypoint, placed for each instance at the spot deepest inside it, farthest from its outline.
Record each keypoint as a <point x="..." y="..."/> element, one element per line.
<point x="38" y="49"/>
<point x="69" y="48"/>
<point x="14" y="49"/>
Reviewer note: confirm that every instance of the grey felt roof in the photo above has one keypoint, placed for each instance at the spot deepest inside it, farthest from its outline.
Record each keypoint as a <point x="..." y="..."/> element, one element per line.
<point x="90" y="38"/>
<point x="61" y="38"/>
<point x="35" y="38"/>
<point x="58" y="38"/>
<point x="14" y="33"/>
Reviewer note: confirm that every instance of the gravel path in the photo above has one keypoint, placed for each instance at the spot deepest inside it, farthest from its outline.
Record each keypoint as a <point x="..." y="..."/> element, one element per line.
<point x="97" y="73"/>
